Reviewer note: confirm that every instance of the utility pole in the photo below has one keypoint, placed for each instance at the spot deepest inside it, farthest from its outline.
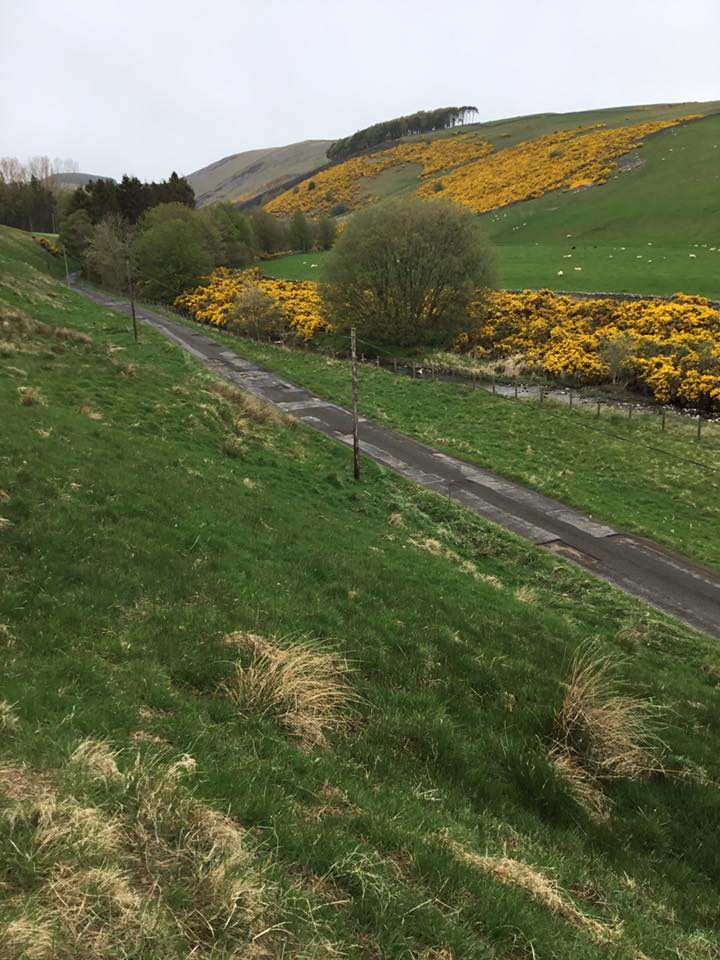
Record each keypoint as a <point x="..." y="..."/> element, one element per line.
<point x="132" y="298"/>
<point x="356" y="440"/>
<point x="67" y="271"/>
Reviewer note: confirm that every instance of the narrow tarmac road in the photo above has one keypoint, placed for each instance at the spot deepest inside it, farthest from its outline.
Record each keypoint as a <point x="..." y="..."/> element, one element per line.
<point x="672" y="583"/>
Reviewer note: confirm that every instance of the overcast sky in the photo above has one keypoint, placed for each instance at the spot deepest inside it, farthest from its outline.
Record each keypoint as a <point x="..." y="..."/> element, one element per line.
<point x="154" y="86"/>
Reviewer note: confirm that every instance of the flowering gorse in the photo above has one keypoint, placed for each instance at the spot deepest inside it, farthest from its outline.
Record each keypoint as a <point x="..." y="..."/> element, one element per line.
<point x="213" y="302"/>
<point x="670" y="349"/>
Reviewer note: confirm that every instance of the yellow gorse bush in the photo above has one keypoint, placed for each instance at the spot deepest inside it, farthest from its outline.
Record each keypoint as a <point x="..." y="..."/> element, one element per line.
<point x="570" y="159"/>
<point x="343" y="182"/>
<point x="669" y="348"/>
<point x="48" y="245"/>
<point x="470" y="173"/>
<point x="213" y="302"/>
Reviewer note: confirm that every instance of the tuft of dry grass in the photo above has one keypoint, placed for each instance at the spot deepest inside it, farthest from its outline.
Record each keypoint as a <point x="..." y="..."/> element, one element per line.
<point x="8" y="717"/>
<point x="526" y="594"/>
<point x="32" y="397"/>
<point x="5" y="523"/>
<point x="87" y="411"/>
<point x="162" y="868"/>
<point x="30" y="936"/>
<point x="252" y="407"/>
<point x="540" y="888"/>
<point x="298" y="682"/>
<point x="97" y="759"/>
<point x="604" y="730"/>
<point x="583" y="787"/>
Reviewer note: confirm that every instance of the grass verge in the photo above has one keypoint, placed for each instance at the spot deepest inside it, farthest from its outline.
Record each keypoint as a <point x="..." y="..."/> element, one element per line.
<point x="626" y="471"/>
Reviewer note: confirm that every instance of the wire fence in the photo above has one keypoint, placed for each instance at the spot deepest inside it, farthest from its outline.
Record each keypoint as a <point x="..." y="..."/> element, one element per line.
<point x="600" y="415"/>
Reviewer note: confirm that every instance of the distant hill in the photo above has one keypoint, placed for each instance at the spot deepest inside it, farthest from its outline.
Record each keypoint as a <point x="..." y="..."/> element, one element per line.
<point x="243" y="175"/>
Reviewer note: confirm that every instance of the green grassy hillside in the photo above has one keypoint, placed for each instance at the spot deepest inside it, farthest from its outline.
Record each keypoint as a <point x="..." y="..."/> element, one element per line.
<point x="654" y="228"/>
<point x="380" y="783"/>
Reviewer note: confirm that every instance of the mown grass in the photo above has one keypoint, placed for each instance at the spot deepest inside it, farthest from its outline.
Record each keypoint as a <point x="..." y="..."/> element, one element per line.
<point x="622" y="469"/>
<point x="135" y="546"/>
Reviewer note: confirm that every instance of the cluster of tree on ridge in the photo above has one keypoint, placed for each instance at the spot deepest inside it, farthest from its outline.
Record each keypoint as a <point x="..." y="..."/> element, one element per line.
<point x="424" y="121"/>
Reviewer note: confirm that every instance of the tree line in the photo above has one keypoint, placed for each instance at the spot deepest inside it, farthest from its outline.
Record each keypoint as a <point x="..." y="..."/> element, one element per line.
<point x="424" y="121"/>
<point x="34" y="196"/>
<point x="29" y="191"/>
<point x="172" y="246"/>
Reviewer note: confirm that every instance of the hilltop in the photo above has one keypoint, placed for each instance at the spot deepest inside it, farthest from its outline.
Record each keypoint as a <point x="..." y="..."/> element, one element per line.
<point x="248" y="174"/>
<point x="243" y="176"/>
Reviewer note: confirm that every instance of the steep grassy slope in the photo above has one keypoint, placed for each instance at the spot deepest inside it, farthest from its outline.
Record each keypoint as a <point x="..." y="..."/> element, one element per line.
<point x="147" y="516"/>
<point x="254" y="171"/>
<point x="651" y="229"/>
<point x="654" y="228"/>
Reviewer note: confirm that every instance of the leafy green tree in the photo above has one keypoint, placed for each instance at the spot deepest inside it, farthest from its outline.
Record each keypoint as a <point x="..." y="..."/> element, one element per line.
<point x="235" y="231"/>
<point x="269" y="232"/>
<point x="299" y="232"/>
<point x="326" y="232"/>
<point x="107" y="253"/>
<point x="406" y="271"/>
<point x="171" y="254"/>
<point x="205" y="227"/>
<point x="76" y="232"/>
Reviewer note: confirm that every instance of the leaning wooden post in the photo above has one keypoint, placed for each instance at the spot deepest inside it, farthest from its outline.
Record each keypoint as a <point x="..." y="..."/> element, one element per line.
<point x="67" y="269"/>
<point x="663" y="422"/>
<point x="356" y="439"/>
<point x="132" y="298"/>
<point x="699" y="425"/>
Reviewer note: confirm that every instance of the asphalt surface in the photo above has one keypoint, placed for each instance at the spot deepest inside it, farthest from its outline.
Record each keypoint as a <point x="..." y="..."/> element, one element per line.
<point x="672" y="583"/>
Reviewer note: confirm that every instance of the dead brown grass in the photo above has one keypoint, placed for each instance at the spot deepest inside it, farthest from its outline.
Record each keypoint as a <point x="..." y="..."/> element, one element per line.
<point x="32" y="397"/>
<point x="87" y="411"/>
<point x="540" y="888"/>
<point x="107" y="877"/>
<point x="8" y="717"/>
<point x="97" y="759"/>
<point x="252" y="407"/>
<point x="603" y="733"/>
<point x="584" y="788"/>
<point x="298" y="682"/>
<point x="607" y="731"/>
